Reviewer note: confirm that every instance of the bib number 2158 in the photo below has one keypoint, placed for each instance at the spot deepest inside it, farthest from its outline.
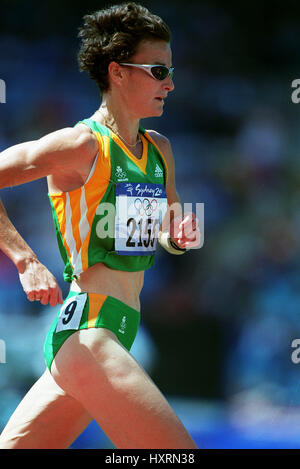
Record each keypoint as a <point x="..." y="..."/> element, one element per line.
<point x="140" y="209"/>
<point x="143" y="226"/>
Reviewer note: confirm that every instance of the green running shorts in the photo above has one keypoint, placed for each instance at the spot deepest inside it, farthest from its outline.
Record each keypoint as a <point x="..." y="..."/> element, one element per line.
<point x="85" y="310"/>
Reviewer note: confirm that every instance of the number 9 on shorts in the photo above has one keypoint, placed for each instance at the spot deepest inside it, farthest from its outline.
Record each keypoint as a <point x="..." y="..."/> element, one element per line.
<point x="71" y="312"/>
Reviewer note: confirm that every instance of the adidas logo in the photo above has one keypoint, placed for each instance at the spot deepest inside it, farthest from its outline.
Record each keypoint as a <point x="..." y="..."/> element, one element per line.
<point x="123" y="325"/>
<point x="120" y="174"/>
<point x="158" y="172"/>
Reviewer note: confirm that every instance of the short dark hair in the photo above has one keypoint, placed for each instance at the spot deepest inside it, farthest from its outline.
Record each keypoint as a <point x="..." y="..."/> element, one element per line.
<point x="114" y="34"/>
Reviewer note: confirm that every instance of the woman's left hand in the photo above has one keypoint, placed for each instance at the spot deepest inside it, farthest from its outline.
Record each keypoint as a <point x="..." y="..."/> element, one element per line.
<point x="185" y="232"/>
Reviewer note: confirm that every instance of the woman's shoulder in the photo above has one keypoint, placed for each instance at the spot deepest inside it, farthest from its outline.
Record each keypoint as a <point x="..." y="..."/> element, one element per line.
<point x="164" y="145"/>
<point x="71" y="136"/>
<point x="158" y="138"/>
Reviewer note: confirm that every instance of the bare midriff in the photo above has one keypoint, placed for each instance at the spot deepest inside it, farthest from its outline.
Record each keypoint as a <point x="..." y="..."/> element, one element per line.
<point x="125" y="286"/>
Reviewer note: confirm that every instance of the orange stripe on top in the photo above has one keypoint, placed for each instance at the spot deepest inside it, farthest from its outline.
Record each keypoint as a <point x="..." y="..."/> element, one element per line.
<point x="96" y="301"/>
<point x="59" y="204"/>
<point x="95" y="189"/>
<point x="76" y="215"/>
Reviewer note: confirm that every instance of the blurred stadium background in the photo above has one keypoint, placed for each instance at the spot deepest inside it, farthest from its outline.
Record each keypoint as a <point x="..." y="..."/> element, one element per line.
<point x="217" y="323"/>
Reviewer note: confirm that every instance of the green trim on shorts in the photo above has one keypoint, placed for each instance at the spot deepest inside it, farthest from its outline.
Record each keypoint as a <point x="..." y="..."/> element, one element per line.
<point x="82" y="313"/>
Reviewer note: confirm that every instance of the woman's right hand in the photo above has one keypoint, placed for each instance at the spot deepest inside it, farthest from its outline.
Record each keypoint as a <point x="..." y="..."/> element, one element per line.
<point x="38" y="283"/>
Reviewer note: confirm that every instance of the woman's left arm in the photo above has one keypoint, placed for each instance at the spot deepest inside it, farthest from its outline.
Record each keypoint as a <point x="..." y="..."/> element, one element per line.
<point x="179" y="229"/>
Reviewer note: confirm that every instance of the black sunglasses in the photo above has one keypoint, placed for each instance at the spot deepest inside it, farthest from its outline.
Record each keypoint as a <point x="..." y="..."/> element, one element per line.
<point x="159" y="72"/>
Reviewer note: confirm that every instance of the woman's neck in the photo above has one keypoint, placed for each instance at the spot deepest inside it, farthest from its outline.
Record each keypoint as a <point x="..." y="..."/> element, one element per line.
<point x="119" y="120"/>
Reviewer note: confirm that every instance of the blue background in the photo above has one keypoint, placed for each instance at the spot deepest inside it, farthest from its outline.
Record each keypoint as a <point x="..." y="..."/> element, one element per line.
<point x="218" y="322"/>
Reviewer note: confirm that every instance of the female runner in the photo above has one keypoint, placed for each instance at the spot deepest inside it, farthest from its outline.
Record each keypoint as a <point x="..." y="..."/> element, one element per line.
<point x="110" y="185"/>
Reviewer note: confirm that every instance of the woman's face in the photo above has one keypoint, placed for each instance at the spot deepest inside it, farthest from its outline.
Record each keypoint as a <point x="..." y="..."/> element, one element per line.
<point x="143" y="94"/>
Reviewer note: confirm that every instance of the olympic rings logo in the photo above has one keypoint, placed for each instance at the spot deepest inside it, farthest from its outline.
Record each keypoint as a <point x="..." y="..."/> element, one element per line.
<point x="145" y="206"/>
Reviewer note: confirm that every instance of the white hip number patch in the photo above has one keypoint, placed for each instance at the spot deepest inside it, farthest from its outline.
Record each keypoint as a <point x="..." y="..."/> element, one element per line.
<point x="71" y="312"/>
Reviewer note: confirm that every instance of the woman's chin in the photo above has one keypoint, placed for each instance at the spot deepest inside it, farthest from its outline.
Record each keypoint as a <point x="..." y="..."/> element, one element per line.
<point x="153" y="113"/>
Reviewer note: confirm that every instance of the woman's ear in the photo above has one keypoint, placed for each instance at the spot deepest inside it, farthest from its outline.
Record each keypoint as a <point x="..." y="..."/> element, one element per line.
<point x="116" y="72"/>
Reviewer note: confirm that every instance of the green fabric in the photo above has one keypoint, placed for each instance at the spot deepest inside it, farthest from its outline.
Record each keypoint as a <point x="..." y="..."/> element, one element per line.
<point x="103" y="249"/>
<point x="114" y="315"/>
<point x="68" y="271"/>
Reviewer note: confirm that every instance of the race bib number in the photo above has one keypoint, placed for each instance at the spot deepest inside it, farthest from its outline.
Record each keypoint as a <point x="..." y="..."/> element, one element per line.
<point x="71" y="312"/>
<point x="140" y="208"/>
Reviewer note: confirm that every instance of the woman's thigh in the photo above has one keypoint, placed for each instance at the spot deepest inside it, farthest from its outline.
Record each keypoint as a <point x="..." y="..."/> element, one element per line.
<point x="100" y="373"/>
<point x="46" y="418"/>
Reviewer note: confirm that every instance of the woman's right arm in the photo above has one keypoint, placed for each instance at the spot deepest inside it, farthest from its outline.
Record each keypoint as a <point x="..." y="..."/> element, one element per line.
<point x="64" y="150"/>
<point x="37" y="282"/>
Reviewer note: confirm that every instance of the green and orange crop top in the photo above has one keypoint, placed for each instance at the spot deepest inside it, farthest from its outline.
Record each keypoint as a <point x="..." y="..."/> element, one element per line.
<point x="114" y="217"/>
